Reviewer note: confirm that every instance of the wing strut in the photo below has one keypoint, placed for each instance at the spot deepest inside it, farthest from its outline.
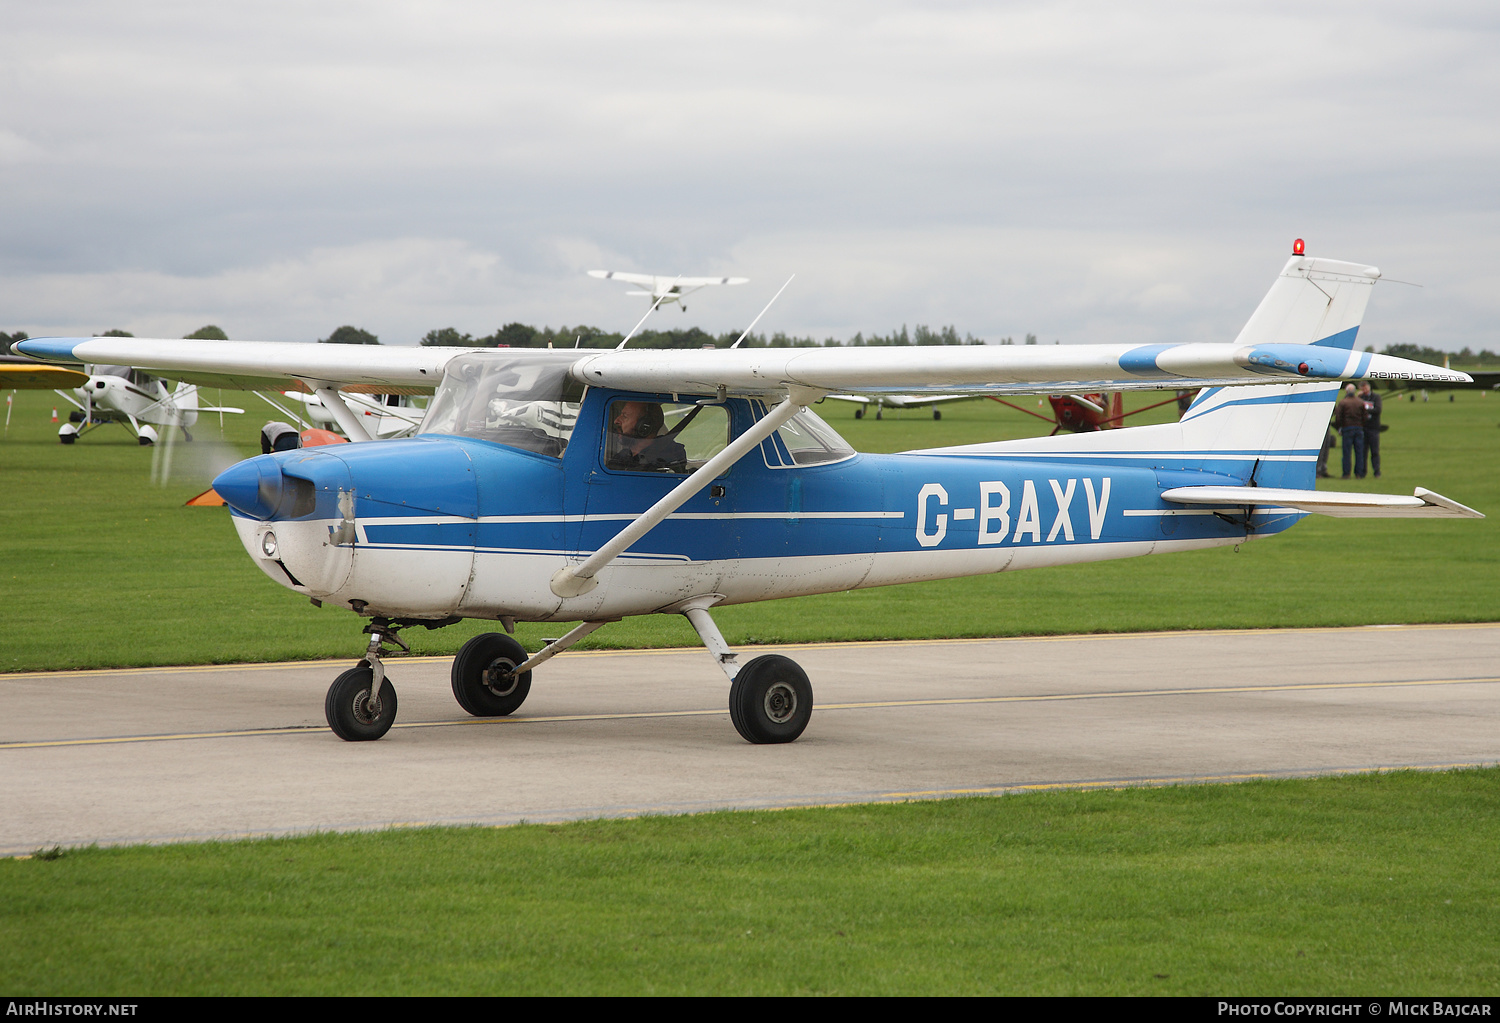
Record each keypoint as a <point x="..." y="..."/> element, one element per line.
<point x="576" y="580"/>
<point x="342" y="413"/>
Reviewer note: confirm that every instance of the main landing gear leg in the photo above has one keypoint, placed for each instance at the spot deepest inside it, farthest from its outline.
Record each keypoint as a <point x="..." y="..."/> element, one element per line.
<point x="361" y="703"/>
<point x="770" y="698"/>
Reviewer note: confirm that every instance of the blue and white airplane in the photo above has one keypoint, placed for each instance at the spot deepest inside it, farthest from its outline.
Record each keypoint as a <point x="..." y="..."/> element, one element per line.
<point x="583" y="487"/>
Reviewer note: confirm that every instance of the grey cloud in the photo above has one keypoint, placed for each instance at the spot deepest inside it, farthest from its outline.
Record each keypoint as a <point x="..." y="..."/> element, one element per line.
<point x="1086" y="171"/>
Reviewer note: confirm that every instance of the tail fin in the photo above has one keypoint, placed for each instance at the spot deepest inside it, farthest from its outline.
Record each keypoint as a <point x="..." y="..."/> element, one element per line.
<point x="1313" y="301"/>
<point x="185" y="404"/>
<point x="1266" y="435"/>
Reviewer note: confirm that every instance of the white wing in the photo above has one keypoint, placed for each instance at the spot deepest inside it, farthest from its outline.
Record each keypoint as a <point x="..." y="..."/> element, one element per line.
<point x="971" y="369"/>
<point x="659" y="284"/>
<point x="263" y="365"/>
<point x="980" y="369"/>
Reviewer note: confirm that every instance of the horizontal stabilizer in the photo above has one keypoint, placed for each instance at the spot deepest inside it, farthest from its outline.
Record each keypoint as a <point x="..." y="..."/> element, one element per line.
<point x="1424" y="504"/>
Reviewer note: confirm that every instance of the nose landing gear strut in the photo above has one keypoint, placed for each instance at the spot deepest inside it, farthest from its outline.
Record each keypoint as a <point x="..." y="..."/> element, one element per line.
<point x="361" y="703"/>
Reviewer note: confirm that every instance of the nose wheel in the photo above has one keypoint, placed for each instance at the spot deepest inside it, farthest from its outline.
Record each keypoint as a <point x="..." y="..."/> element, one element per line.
<point x="351" y="713"/>
<point x="361" y="703"/>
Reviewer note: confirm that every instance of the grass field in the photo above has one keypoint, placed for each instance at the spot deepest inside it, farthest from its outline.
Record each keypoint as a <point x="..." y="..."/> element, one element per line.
<point x="103" y="568"/>
<point x="1367" y="885"/>
<point x="1379" y="884"/>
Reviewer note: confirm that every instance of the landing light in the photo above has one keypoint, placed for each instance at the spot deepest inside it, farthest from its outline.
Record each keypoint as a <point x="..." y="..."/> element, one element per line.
<point x="268" y="544"/>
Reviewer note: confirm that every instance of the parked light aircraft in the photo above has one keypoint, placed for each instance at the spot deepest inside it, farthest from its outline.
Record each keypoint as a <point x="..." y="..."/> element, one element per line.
<point x="384" y="416"/>
<point x="128" y="395"/>
<point x="665" y="290"/>
<point x="585" y="487"/>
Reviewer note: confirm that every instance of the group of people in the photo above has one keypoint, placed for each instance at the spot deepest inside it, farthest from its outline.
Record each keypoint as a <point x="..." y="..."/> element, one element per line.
<point x="1356" y="417"/>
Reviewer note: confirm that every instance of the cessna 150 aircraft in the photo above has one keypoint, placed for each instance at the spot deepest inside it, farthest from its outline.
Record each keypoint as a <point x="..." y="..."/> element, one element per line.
<point x="588" y="486"/>
<point x="665" y="290"/>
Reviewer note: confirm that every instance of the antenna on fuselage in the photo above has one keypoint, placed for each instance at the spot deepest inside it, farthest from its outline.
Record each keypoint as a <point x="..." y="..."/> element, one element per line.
<point x="649" y="311"/>
<point x="762" y="313"/>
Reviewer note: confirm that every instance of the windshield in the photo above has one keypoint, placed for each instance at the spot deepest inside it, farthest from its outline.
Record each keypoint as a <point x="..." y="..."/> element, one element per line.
<point x="524" y="400"/>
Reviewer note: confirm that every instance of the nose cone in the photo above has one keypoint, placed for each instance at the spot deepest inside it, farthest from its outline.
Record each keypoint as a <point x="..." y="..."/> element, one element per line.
<point x="252" y="487"/>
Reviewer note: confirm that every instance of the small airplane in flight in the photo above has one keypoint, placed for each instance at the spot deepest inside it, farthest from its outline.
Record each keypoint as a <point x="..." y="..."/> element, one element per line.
<point x="567" y="486"/>
<point x="665" y="290"/>
<point x="126" y="395"/>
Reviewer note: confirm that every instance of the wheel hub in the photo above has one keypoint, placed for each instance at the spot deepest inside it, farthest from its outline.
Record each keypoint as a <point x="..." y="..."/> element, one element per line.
<point x="781" y="702"/>
<point x="364" y="712"/>
<point x="500" y="677"/>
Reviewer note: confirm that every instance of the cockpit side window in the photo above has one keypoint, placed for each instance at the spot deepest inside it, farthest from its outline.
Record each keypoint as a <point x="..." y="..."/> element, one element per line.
<point x="652" y="436"/>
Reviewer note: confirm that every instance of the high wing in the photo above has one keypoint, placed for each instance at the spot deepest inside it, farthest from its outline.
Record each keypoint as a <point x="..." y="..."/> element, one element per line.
<point x="980" y="369"/>
<point x="971" y="369"/>
<point x="26" y="375"/>
<point x="658" y="284"/>
<point x="261" y="365"/>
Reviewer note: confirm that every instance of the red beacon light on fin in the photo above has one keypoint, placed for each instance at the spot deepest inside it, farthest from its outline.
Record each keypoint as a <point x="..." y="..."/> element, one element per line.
<point x="1298" y="248"/>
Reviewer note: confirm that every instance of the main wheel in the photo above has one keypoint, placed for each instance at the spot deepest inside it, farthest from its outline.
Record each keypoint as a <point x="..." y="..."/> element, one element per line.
<point x="348" y="706"/>
<point x="770" y="700"/>
<point x="483" y="681"/>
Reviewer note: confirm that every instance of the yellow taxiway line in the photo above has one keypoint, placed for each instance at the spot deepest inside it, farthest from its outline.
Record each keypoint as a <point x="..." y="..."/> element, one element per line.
<point x="864" y="644"/>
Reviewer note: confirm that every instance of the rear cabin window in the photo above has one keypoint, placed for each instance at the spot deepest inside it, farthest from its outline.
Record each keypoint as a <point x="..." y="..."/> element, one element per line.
<point x="803" y="440"/>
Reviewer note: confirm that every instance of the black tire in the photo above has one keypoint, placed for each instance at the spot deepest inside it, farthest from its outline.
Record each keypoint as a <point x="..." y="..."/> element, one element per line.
<point x="936" y="414"/>
<point x="859" y="413"/>
<point x="482" y="682"/>
<point x="68" y="438"/>
<point x="771" y="700"/>
<point x="348" y="706"/>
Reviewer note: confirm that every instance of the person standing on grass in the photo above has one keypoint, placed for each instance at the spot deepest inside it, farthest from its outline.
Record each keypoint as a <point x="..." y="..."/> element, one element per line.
<point x="1371" y="398"/>
<point x="1329" y="440"/>
<point x="1349" y="417"/>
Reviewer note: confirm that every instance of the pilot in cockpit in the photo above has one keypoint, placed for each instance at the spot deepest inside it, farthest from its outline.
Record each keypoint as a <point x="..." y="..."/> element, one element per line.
<point x="634" y="443"/>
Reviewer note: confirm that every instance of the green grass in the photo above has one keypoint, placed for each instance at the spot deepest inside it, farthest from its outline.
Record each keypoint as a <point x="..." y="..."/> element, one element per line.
<point x="1368" y="885"/>
<point x="101" y="568"/>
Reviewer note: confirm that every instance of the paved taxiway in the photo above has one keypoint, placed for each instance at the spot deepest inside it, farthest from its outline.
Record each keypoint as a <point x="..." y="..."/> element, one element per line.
<point x="151" y="755"/>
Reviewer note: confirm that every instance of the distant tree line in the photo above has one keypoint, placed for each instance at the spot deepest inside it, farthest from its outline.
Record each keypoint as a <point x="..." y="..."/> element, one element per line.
<point x="522" y="335"/>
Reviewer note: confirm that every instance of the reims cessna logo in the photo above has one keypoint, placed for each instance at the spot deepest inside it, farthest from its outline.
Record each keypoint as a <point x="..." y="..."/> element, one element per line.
<point x="994" y="512"/>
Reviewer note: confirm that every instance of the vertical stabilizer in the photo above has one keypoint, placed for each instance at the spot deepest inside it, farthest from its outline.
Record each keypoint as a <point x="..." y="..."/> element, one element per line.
<point x="1266" y="435"/>
<point x="1313" y="301"/>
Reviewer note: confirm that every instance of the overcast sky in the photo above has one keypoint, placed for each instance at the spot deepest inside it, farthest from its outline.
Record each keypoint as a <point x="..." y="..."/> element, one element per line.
<point x="1089" y="172"/>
